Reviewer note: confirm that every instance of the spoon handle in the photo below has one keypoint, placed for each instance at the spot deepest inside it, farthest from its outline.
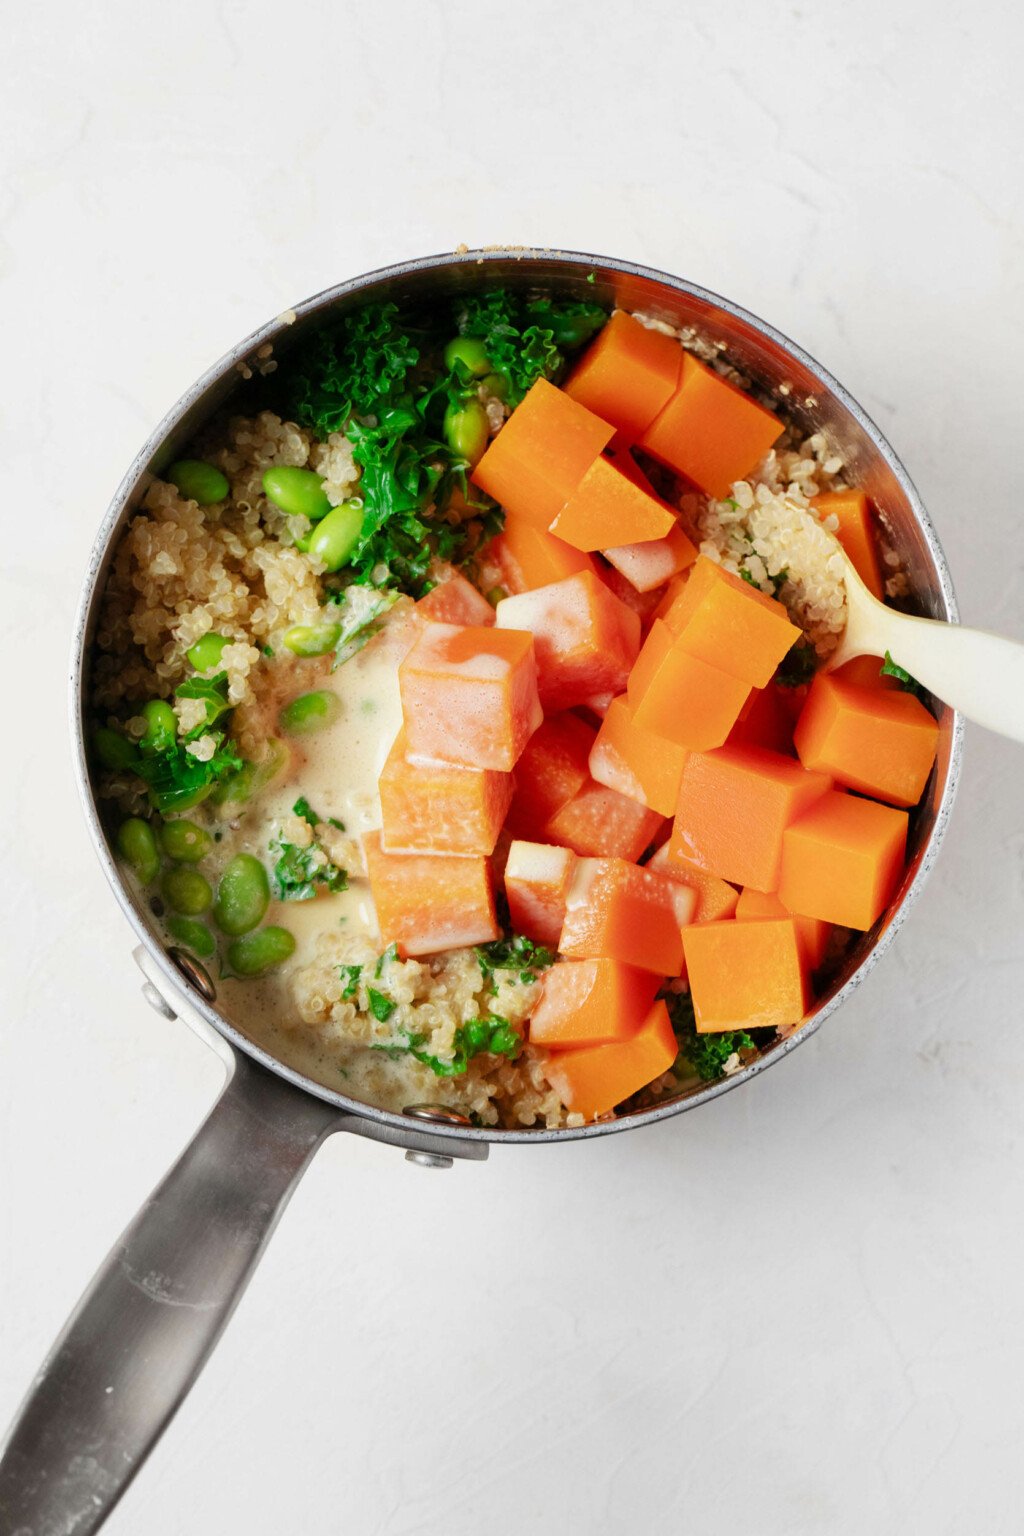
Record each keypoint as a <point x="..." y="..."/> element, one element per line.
<point x="977" y="673"/>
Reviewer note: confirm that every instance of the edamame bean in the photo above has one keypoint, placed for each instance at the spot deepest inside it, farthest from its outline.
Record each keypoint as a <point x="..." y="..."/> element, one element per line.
<point x="260" y="951"/>
<point x="137" y="846"/>
<point x="465" y="430"/>
<point x="207" y="651"/>
<point x="185" y="841"/>
<point x="469" y="353"/>
<point x="312" y="639"/>
<point x="114" y="750"/>
<point x="296" y="491"/>
<point x="336" y="537"/>
<point x="193" y="934"/>
<point x="161" y="726"/>
<point x="243" y="895"/>
<point x="251" y="777"/>
<point x="198" y="481"/>
<point x="309" y="712"/>
<point x="187" y="891"/>
<point x="496" y="385"/>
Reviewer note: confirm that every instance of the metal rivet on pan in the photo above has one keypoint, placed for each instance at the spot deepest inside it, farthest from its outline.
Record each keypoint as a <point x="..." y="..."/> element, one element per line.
<point x="434" y="1114"/>
<point x="197" y="974"/>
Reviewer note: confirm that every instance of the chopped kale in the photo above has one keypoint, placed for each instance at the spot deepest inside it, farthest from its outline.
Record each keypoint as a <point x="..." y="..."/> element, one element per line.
<point x="213" y="692"/>
<point x="298" y="872"/>
<point x="380" y="1006"/>
<point x="516" y="953"/>
<point x="798" y="665"/>
<point x="352" y="973"/>
<point x="707" y="1055"/>
<point x="390" y="954"/>
<point x="890" y="668"/>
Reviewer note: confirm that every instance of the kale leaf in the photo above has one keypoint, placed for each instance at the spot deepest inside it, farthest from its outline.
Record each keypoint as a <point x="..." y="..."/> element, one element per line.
<point x="350" y="974"/>
<point x="890" y="668"/>
<point x="297" y="872"/>
<point x="707" y="1055"/>
<point x="516" y="953"/>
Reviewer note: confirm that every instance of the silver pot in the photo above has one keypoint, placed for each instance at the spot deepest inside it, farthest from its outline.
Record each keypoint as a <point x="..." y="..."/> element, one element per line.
<point x="147" y="1323"/>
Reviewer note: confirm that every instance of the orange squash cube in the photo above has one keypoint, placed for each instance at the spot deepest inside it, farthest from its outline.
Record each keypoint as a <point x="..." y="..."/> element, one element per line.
<point x="734" y="806"/>
<point x="529" y="557"/>
<point x="866" y="672"/>
<point x="812" y="934"/>
<point x="667" y="599"/>
<point x="636" y="762"/>
<point x="551" y="770"/>
<point x="439" y="808"/>
<point x="727" y="623"/>
<point x="855" y="533"/>
<point x="879" y="742"/>
<point x="600" y="821"/>
<point x="469" y="695"/>
<point x="454" y="600"/>
<point x="746" y="975"/>
<point x="642" y="604"/>
<point x="616" y="910"/>
<point x="627" y="374"/>
<point x="537" y="877"/>
<point x="586" y="640"/>
<point x="541" y="454"/>
<point x="609" y="507"/>
<point x="652" y="564"/>
<point x="766" y="720"/>
<point x="591" y="1002"/>
<point x="715" y="898"/>
<point x="710" y="431"/>
<point x="681" y="698"/>
<point x="842" y="860"/>
<point x="428" y="902"/>
<point x="592" y="1079"/>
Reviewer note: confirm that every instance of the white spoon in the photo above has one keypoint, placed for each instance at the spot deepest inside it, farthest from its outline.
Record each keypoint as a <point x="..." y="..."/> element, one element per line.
<point x="978" y="673"/>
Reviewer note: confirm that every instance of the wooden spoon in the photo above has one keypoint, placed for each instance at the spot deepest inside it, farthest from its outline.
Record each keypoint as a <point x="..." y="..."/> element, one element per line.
<point x="978" y="673"/>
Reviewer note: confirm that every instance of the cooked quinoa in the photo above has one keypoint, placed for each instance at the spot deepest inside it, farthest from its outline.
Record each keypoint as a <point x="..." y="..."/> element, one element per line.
<point x="235" y="569"/>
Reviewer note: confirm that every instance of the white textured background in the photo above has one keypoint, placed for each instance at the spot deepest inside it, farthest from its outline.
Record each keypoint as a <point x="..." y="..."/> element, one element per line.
<point x="800" y="1310"/>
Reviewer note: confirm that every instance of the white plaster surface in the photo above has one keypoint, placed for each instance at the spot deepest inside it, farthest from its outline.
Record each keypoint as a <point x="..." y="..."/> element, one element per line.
<point x="797" y="1312"/>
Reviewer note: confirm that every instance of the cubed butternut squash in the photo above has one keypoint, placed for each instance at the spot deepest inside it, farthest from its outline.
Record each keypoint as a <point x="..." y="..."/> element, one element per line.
<point x="734" y="806"/>
<point x="608" y="507"/>
<point x="554" y="765"/>
<point x="715" y="898"/>
<point x="709" y="431"/>
<point x="880" y="742"/>
<point x="652" y="564"/>
<point x="811" y="932"/>
<point x="842" y="859"/>
<point x="635" y="761"/>
<point x="675" y="695"/>
<point x="618" y="911"/>
<point x="469" y="695"/>
<point x="591" y="1002"/>
<point x="541" y="454"/>
<point x="529" y="557"/>
<point x="766" y="720"/>
<point x="600" y="821"/>
<point x="439" y="808"/>
<point x="454" y="600"/>
<point x="727" y="623"/>
<point x="627" y="374"/>
<point x="428" y="902"/>
<point x="537" y="877"/>
<point x="586" y="639"/>
<point x="592" y="1079"/>
<point x="746" y="975"/>
<point x="855" y="533"/>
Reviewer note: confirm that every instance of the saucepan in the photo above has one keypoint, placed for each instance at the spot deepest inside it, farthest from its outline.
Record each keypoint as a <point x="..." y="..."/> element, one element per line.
<point x="151" y="1316"/>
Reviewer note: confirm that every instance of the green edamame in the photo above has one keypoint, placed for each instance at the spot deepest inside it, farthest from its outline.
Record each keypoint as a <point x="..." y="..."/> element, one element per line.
<point x="465" y="430"/>
<point x="497" y="385"/>
<point x="161" y="726"/>
<point x="185" y="841"/>
<point x="312" y="639"/>
<point x="251" y="777"/>
<point x="198" y="481"/>
<point x="137" y="846"/>
<point x="260" y="951"/>
<point x="469" y="354"/>
<point x="333" y="540"/>
<point x="193" y="934"/>
<point x="186" y="891"/>
<point x="114" y="750"/>
<point x="310" y="712"/>
<point x="299" y="492"/>
<point x="207" y="651"/>
<point x="243" y="895"/>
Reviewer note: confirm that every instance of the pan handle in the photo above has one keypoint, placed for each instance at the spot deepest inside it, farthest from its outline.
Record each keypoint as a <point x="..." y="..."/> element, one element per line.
<point x="143" y="1330"/>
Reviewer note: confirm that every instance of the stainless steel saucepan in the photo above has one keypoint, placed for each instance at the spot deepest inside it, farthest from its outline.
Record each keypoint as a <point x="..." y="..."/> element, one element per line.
<point x="148" y="1321"/>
